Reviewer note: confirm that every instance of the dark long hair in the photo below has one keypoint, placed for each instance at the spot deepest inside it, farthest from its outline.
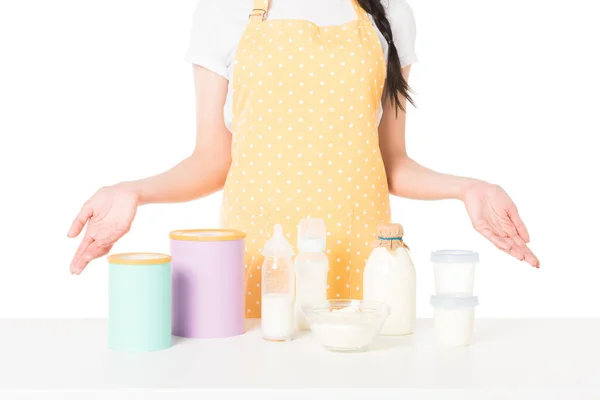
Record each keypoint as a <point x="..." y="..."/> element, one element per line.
<point x="395" y="84"/>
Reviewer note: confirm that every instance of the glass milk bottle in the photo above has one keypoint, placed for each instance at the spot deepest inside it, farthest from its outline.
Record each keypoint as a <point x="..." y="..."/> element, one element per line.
<point x="311" y="266"/>
<point x="390" y="277"/>
<point x="277" y="304"/>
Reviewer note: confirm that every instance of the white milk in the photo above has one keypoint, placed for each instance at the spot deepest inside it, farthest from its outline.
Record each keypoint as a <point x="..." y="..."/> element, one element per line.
<point x="454" y="327"/>
<point x="277" y="307"/>
<point x="311" y="283"/>
<point x="453" y="319"/>
<point x="277" y="320"/>
<point x="390" y="277"/>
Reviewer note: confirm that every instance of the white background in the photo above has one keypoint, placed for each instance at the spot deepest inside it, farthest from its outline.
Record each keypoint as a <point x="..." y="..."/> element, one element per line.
<point x="96" y="92"/>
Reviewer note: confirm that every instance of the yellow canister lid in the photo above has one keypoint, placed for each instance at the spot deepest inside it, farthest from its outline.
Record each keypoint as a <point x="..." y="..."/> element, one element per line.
<point x="139" y="258"/>
<point x="207" y="235"/>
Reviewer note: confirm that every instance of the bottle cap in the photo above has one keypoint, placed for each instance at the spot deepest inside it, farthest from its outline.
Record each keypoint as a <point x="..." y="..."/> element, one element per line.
<point x="312" y="235"/>
<point x="278" y="246"/>
<point x="390" y="236"/>
<point x="390" y="231"/>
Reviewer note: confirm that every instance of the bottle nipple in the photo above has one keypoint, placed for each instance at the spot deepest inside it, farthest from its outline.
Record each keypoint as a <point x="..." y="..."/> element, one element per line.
<point x="277" y="245"/>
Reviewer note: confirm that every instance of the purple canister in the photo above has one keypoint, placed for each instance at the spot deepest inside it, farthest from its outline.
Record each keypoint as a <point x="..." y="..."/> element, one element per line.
<point x="208" y="283"/>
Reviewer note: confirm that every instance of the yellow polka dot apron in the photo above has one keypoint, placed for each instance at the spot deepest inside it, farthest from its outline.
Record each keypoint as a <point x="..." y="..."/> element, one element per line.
<point x="305" y="142"/>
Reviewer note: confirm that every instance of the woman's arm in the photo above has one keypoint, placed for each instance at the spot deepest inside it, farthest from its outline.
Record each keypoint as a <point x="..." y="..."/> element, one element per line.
<point x="406" y="177"/>
<point x="205" y="170"/>
<point x="109" y="213"/>
<point x="492" y="212"/>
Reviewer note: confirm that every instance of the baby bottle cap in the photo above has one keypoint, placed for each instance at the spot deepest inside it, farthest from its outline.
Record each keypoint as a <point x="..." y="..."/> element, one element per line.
<point x="278" y="246"/>
<point x="312" y="235"/>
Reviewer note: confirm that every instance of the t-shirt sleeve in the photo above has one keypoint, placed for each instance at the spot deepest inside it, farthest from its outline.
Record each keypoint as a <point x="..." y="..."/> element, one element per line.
<point x="402" y="21"/>
<point x="214" y="35"/>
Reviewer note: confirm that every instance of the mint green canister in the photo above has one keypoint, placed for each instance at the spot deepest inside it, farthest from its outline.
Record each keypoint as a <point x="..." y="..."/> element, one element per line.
<point x="139" y="311"/>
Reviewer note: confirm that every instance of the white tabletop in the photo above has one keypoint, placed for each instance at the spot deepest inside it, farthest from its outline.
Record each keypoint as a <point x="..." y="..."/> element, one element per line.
<point x="522" y="356"/>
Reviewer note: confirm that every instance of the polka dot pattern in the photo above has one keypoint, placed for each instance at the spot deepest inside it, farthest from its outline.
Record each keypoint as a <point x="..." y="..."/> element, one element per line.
<point x="305" y="143"/>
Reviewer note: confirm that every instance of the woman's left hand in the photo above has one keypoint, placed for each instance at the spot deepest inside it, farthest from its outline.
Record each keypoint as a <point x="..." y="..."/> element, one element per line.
<point x="495" y="216"/>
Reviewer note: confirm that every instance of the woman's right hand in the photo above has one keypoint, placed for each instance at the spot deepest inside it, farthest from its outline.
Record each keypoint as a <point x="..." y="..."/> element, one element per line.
<point x="108" y="215"/>
<point x="110" y="212"/>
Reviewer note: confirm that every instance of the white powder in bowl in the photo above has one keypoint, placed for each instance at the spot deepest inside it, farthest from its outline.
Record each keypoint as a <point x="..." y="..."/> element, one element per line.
<point x="345" y="335"/>
<point x="347" y="310"/>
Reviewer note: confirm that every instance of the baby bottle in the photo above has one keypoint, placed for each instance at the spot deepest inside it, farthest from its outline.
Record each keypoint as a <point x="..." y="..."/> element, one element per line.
<point x="277" y="307"/>
<point x="311" y="267"/>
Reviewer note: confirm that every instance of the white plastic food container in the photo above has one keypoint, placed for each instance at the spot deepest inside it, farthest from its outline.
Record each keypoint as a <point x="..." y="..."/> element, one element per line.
<point x="454" y="271"/>
<point x="453" y="318"/>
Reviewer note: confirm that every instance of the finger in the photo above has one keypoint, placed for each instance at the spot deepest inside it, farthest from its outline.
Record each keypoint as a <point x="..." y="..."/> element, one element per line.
<point x="93" y="246"/>
<point x="514" y="246"/>
<point x="496" y="240"/>
<point x="79" y="222"/>
<point x="514" y="216"/>
<point x="529" y="257"/>
<point x="83" y="246"/>
<point x="516" y="250"/>
<point x="505" y="244"/>
<point x="94" y="251"/>
<point x="520" y="251"/>
<point x="532" y="260"/>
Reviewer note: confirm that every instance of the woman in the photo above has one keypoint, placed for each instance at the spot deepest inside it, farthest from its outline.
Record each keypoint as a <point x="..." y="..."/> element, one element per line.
<point x="301" y="112"/>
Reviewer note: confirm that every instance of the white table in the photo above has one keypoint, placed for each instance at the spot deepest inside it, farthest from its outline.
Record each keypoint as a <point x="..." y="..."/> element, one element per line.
<point x="527" y="358"/>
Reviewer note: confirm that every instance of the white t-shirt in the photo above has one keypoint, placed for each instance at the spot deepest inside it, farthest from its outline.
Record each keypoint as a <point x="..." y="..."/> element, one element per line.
<point x="219" y="25"/>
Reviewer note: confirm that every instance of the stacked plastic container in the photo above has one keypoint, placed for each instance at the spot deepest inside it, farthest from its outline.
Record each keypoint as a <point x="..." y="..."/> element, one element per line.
<point x="454" y="303"/>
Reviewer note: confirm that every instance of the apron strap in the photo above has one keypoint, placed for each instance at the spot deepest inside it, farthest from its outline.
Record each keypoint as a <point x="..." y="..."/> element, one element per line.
<point x="261" y="8"/>
<point x="259" y="11"/>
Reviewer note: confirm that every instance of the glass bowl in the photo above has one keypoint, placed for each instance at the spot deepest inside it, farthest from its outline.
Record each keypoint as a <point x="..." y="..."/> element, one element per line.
<point x="346" y="325"/>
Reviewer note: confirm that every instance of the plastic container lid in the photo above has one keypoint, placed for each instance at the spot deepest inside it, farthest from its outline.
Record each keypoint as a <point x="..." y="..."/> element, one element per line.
<point x="312" y="235"/>
<point x="139" y="258"/>
<point x="455" y="256"/>
<point x="278" y="246"/>
<point x="450" y="301"/>
<point x="207" y="235"/>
